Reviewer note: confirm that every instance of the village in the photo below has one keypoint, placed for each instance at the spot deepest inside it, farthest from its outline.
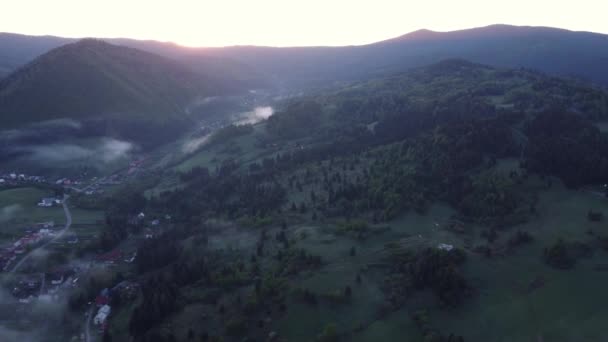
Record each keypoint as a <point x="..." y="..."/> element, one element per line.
<point x="33" y="237"/>
<point x="58" y="283"/>
<point x="32" y="280"/>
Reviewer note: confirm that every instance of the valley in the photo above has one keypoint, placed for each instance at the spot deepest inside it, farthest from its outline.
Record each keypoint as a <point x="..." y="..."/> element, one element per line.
<point x="448" y="201"/>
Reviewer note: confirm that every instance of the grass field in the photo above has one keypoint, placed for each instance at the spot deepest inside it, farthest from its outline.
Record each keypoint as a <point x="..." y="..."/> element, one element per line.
<point x="501" y="309"/>
<point x="19" y="211"/>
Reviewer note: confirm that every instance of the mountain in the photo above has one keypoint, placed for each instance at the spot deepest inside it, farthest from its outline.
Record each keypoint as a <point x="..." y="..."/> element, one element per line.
<point x="557" y="51"/>
<point x="444" y="179"/>
<point x="92" y="80"/>
<point x="17" y="50"/>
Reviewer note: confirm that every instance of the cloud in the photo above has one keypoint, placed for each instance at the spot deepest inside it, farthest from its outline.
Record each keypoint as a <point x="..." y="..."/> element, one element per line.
<point x="113" y="149"/>
<point x="43" y="315"/>
<point x="108" y="150"/>
<point x="256" y="115"/>
<point x="8" y="304"/>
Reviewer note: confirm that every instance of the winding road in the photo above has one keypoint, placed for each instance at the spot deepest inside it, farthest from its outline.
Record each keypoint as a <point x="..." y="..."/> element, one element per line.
<point x="87" y="324"/>
<point x="68" y="223"/>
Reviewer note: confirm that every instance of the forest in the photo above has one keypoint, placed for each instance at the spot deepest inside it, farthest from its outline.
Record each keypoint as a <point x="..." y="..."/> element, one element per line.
<point x="354" y="162"/>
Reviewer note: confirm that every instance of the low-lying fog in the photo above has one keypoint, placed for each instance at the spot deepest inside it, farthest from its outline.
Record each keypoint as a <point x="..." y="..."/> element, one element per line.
<point x="253" y="116"/>
<point x="107" y="150"/>
<point x="55" y="144"/>
<point x="7" y="213"/>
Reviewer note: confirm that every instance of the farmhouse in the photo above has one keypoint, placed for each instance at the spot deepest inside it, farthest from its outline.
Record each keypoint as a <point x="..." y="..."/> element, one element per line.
<point x="49" y="202"/>
<point x="102" y="315"/>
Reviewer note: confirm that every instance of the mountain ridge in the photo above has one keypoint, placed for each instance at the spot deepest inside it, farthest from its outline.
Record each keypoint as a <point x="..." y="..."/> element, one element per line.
<point x="558" y="51"/>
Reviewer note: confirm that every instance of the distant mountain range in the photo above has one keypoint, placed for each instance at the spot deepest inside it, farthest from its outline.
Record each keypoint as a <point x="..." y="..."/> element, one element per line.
<point x="556" y="51"/>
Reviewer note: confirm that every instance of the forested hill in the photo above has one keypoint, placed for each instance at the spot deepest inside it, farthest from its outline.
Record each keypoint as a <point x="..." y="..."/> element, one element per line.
<point x="447" y="91"/>
<point x="329" y="186"/>
<point x="91" y="79"/>
<point x="510" y="107"/>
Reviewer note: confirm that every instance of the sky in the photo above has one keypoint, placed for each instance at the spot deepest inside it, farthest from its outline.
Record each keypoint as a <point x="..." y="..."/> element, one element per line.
<point x="286" y="22"/>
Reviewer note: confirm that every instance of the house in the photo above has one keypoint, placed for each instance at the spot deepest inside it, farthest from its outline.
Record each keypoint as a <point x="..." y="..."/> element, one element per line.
<point x="141" y="216"/>
<point x="102" y="315"/>
<point x="132" y="258"/>
<point x="72" y="239"/>
<point x="48" y="224"/>
<point x="445" y="247"/>
<point x="155" y="222"/>
<point x="46" y="202"/>
<point x="57" y="279"/>
<point x="148" y="233"/>
<point x="59" y="275"/>
<point x="49" y="202"/>
<point x="111" y="257"/>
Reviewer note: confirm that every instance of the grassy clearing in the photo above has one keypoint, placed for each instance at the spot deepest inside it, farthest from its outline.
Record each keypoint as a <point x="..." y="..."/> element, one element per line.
<point x="502" y="309"/>
<point x="21" y="212"/>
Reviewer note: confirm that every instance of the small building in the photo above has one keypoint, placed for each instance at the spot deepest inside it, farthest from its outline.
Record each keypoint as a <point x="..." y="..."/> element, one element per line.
<point x="445" y="247"/>
<point x="72" y="239"/>
<point x="132" y="258"/>
<point x="59" y="275"/>
<point x="111" y="257"/>
<point x="102" y="315"/>
<point x="46" y="202"/>
<point x="48" y="224"/>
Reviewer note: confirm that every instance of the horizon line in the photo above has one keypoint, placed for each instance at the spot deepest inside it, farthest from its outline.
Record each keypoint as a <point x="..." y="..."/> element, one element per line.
<point x="295" y="46"/>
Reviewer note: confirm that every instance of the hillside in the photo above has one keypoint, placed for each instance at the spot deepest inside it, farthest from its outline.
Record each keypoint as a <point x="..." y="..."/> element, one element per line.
<point x="407" y="207"/>
<point x="93" y="80"/>
<point x="17" y="50"/>
<point x="450" y="90"/>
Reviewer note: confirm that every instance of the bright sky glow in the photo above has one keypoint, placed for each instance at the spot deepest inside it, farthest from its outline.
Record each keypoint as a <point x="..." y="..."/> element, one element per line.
<point x="286" y="22"/>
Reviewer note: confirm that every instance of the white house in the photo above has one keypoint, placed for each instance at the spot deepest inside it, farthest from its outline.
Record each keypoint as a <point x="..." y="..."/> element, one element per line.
<point x="445" y="247"/>
<point x="102" y="315"/>
<point x="46" y="202"/>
